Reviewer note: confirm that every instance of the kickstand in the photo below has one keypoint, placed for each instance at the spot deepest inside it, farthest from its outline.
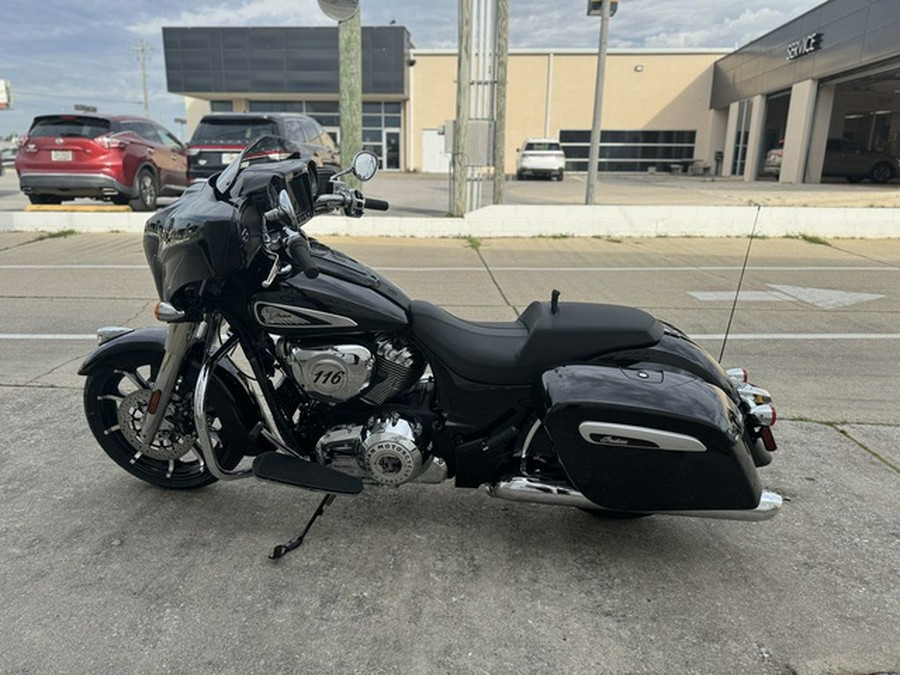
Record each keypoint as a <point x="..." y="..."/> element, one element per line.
<point x="287" y="547"/>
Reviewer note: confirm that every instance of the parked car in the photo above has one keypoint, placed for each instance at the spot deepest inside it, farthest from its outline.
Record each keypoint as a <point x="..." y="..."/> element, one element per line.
<point x="220" y="137"/>
<point x="844" y="159"/>
<point x="541" y="157"/>
<point x="120" y="158"/>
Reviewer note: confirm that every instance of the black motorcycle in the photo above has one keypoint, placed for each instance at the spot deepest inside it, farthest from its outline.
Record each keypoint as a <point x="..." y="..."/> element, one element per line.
<point x="287" y="360"/>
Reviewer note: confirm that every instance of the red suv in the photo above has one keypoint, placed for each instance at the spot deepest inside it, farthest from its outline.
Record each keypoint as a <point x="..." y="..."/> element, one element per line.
<point x="116" y="157"/>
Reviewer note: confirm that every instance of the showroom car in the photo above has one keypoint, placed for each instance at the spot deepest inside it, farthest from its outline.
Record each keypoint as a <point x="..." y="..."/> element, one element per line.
<point x="844" y="159"/>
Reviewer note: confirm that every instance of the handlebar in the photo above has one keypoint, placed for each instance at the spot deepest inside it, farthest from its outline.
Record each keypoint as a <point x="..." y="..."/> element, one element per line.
<point x="298" y="252"/>
<point x="376" y="204"/>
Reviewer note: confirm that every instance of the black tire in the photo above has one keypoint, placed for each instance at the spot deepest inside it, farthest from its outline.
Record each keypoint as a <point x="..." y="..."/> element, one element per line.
<point x="147" y="188"/>
<point x="520" y="175"/>
<point x="854" y="179"/>
<point x="560" y="176"/>
<point x="614" y="515"/>
<point x="882" y="173"/>
<point x="126" y="379"/>
<point x="44" y="199"/>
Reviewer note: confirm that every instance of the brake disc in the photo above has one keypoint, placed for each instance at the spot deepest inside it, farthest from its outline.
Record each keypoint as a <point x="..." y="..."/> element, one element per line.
<point x="168" y="443"/>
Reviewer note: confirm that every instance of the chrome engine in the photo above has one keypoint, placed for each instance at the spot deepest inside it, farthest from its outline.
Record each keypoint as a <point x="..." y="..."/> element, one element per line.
<point x="337" y="373"/>
<point x="386" y="450"/>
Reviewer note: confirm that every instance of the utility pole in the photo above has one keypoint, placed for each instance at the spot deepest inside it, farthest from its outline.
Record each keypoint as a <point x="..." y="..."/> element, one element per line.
<point x="501" y="52"/>
<point x="598" y="103"/>
<point x="350" y="45"/>
<point x="461" y="127"/>
<point x="141" y="50"/>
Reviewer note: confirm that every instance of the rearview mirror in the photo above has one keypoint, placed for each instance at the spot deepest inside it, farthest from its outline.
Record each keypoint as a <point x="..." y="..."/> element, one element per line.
<point x="365" y="165"/>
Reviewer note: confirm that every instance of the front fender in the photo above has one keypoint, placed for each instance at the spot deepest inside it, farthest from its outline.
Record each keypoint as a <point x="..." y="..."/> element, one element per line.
<point x="153" y="339"/>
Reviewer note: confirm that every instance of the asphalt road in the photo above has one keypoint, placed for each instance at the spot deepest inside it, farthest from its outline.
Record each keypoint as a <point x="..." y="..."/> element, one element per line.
<point x="102" y="573"/>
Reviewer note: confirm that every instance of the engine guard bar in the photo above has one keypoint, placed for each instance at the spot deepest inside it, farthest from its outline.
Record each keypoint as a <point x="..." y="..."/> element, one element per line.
<point x="207" y="449"/>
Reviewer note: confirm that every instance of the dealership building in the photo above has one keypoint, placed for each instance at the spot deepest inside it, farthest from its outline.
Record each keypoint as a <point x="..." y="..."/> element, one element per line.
<point x="832" y="73"/>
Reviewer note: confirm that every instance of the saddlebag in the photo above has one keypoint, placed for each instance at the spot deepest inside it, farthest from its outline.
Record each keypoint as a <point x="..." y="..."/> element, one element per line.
<point x="649" y="440"/>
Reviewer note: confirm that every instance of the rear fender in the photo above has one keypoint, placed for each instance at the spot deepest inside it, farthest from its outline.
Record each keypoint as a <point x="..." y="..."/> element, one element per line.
<point x="675" y="351"/>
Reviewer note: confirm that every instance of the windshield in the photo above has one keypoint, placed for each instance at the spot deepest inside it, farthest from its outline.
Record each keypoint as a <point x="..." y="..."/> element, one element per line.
<point x="266" y="149"/>
<point x="69" y="125"/>
<point x="235" y="131"/>
<point x="542" y="146"/>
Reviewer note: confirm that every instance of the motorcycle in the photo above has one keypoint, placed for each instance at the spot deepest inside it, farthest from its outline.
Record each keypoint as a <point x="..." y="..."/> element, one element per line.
<point x="286" y="360"/>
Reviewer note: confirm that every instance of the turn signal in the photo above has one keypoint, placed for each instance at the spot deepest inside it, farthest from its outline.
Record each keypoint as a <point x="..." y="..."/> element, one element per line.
<point x="764" y="415"/>
<point x="163" y="311"/>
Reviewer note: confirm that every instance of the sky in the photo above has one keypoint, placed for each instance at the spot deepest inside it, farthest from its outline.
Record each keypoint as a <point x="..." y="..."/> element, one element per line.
<point x="58" y="53"/>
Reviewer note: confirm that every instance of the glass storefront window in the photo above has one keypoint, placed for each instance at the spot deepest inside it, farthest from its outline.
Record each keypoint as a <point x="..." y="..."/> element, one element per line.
<point x="629" y="150"/>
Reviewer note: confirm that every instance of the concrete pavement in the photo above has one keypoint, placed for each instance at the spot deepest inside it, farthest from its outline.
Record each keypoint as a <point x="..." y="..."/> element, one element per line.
<point x="102" y="573"/>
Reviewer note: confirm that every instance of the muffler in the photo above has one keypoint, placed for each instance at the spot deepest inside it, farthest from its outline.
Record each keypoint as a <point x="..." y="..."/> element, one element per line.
<point x="521" y="489"/>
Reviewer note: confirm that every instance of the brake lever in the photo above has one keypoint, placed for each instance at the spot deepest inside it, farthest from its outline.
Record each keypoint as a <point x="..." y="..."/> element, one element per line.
<point x="277" y="268"/>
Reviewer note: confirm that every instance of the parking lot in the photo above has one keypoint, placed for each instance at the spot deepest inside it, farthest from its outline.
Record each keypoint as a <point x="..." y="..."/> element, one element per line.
<point x="428" y="195"/>
<point x="105" y="574"/>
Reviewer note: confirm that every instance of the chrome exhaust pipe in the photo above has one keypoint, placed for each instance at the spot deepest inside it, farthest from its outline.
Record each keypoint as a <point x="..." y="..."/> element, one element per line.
<point x="521" y="489"/>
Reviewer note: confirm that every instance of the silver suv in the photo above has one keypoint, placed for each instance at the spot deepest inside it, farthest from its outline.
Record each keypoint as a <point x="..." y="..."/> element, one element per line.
<point x="541" y="157"/>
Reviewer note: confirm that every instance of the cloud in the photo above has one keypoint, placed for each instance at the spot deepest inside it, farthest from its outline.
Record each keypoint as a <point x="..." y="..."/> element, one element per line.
<point x="86" y="53"/>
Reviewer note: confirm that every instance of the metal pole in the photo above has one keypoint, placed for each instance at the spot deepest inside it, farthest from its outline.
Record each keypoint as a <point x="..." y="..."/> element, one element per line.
<point x="350" y="45"/>
<point x="141" y="49"/>
<point x="598" y="104"/>
<point x="502" y="56"/>
<point x="460" y="133"/>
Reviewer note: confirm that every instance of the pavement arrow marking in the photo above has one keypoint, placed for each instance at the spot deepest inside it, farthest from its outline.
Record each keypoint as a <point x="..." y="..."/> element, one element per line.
<point x="824" y="298"/>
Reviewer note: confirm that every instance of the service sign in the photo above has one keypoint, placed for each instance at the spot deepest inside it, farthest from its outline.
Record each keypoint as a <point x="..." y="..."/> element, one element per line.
<point x="804" y="46"/>
<point x="5" y="95"/>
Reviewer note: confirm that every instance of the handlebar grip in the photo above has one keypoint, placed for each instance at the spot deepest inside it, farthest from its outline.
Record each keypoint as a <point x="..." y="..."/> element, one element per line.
<point x="298" y="250"/>
<point x="376" y="204"/>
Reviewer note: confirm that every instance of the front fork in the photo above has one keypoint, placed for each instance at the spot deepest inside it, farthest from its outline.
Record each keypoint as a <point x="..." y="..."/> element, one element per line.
<point x="180" y="336"/>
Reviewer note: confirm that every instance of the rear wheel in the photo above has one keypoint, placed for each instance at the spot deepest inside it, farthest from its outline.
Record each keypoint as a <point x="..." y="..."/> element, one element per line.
<point x="882" y="172"/>
<point x="116" y="394"/>
<point x="147" y="191"/>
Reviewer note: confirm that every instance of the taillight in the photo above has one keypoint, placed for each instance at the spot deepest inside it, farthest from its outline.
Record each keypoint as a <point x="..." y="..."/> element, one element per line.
<point x="737" y="375"/>
<point x="110" y="142"/>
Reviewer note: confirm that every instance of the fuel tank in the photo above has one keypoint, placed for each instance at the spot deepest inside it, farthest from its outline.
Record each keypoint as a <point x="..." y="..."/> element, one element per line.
<point x="346" y="297"/>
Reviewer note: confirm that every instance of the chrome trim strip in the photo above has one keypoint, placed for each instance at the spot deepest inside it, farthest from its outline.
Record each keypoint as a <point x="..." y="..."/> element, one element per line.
<point x="663" y="440"/>
<point x="107" y="333"/>
<point x="329" y="320"/>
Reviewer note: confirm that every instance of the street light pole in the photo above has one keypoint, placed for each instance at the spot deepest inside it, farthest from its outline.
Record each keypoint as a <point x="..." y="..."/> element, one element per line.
<point x="598" y="103"/>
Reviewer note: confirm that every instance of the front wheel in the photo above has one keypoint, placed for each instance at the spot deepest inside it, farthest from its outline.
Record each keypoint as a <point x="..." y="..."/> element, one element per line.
<point x="116" y="394"/>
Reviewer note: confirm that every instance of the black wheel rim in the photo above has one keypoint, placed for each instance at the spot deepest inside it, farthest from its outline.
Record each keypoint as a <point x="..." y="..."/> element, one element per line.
<point x="107" y="393"/>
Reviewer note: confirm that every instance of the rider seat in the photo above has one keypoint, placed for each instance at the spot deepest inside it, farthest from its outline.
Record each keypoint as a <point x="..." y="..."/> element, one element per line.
<point x="517" y="352"/>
